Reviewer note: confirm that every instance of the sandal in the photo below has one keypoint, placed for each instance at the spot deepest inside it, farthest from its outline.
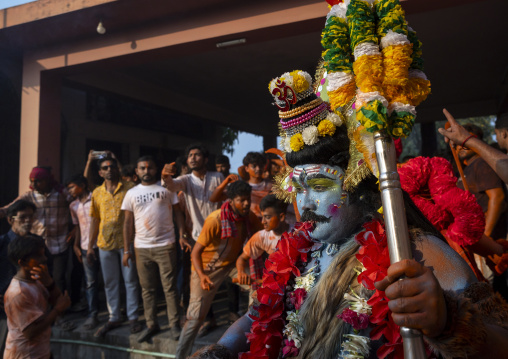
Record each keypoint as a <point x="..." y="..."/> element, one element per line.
<point x="106" y="328"/>
<point x="68" y="326"/>
<point x="90" y="323"/>
<point x="136" y="326"/>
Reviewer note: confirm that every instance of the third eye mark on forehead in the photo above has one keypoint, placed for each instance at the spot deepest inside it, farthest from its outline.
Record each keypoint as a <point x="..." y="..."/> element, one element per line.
<point x="309" y="178"/>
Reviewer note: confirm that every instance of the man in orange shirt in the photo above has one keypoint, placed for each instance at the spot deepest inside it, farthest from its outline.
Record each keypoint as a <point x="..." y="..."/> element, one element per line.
<point x="214" y="256"/>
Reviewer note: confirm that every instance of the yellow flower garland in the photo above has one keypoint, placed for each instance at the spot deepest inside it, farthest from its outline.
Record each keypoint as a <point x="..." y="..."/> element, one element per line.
<point x="296" y="142"/>
<point x="326" y="128"/>
<point x="369" y="73"/>
<point x="396" y="61"/>
<point x="417" y="90"/>
<point x="342" y="95"/>
<point x="300" y="84"/>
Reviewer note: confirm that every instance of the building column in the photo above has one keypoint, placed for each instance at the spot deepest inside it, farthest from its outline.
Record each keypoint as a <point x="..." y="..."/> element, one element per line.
<point x="40" y="122"/>
<point x="269" y="142"/>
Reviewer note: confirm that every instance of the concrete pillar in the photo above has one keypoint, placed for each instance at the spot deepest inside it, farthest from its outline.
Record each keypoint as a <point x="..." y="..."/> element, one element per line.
<point x="40" y="122"/>
<point x="269" y="142"/>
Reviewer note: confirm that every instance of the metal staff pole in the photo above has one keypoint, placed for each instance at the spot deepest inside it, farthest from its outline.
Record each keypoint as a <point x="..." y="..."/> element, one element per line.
<point x="397" y="232"/>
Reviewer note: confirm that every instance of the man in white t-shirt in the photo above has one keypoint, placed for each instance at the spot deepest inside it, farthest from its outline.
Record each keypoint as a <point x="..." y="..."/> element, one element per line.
<point x="197" y="188"/>
<point x="149" y="209"/>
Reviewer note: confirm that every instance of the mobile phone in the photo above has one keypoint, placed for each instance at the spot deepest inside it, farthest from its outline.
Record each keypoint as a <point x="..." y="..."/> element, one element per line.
<point x="99" y="154"/>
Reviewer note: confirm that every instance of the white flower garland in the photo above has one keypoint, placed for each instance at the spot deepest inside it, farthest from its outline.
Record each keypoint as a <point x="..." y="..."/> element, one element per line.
<point x="355" y="347"/>
<point x="294" y="328"/>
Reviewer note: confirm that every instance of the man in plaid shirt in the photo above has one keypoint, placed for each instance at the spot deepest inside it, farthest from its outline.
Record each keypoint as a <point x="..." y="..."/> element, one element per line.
<point x="51" y="218"/>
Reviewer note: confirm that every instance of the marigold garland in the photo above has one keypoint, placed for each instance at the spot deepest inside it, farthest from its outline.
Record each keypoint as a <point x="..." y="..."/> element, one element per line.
<point x="372" y="116"/>
<point x="337" y="57"/>
<point x="396" y="61"/>
<point x="296" y="142"/>
<point x="335" y="41"/>
<point x="418" y="87"/>
<point x="341" y="96"/>
<point x="300" y="83"/>
<point x="391" y="17"/>
<point x="369" y="73"/>
<point x="362" y="23"/>
<point x="417" y="90"/>
<point x="326" y="128"/>
<point x="417" y="59"/>
<point x="401" y="123"/>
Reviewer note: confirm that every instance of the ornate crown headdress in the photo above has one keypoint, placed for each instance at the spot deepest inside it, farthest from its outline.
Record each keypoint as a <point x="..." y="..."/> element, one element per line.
<point x="372" y="71"/>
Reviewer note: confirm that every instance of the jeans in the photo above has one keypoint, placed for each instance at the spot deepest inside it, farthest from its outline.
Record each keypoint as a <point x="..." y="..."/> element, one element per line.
<point x="112" y="268"/>
<point x="149" y="261"/>
<point x="200" y="302"/>
<point x="92" y="277"/>
<point x="60" y="269"/>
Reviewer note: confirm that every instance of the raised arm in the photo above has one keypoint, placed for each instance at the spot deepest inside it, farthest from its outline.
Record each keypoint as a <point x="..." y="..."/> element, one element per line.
<point x="87" y="173"/>
<point x="458" y="134"/>
<point x="174" y="185"/>
<point x="219" y="194"/>
<point x="59" y="301"/>
<point x="496" y="199"/>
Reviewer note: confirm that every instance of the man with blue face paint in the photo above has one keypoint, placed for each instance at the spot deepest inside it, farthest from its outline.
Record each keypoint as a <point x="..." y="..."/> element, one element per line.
<point x="322" y="199"/>
<point x="324" y="285"/>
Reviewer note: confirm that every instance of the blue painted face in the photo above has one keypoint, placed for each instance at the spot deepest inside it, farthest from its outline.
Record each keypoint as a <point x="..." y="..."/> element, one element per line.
<point x="320" y="198"/>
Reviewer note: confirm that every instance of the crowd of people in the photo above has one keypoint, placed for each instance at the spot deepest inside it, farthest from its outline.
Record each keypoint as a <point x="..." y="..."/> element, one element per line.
<point x="130" y="227"/>
<point x="318" y="271"/>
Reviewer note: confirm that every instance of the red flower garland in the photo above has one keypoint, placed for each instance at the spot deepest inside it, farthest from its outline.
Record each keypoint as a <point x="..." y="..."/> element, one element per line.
<point x="292" y="253"/>
<point x="373" y="254"/>
<point x="448" y="207"/>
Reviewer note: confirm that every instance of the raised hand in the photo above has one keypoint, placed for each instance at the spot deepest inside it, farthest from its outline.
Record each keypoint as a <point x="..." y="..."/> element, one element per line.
<point x="169" y="170"/>
<point x="455" y="133"/>
<point x="231" y="178"/>
<point x="41" y="274"/>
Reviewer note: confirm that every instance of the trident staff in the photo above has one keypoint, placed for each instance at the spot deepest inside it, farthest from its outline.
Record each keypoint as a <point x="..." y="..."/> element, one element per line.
<point x="397" y="232"/>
